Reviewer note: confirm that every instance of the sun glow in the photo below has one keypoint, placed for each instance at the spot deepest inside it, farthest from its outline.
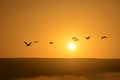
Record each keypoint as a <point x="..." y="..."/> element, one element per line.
<point x="72" y="46"/>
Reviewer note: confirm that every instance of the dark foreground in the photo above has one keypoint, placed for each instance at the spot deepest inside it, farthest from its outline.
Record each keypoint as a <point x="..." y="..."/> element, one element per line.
<point x="13" y="68"/>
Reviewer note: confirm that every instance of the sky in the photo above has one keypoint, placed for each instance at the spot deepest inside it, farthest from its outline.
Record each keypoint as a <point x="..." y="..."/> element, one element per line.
<point x="59" y="21"/>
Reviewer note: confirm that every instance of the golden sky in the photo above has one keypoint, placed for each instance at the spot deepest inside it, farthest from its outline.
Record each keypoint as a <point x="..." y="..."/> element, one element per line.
<point x="59" y="21"/>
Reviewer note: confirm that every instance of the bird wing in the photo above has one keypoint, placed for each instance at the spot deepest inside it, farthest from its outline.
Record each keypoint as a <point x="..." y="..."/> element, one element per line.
<point x="25" y="42"/>
<point x="73" y="37"/>
<point x="50" y="42"/>
<point x="30" y="43"/>
<point x="36" y="41"/>
<point x="87" y="37"/>
<point x="76" y="40"/>
<point x="103" y="37"/>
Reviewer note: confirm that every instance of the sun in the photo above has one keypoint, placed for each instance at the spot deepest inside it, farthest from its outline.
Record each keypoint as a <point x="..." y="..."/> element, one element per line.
<point x="72" y="46"/>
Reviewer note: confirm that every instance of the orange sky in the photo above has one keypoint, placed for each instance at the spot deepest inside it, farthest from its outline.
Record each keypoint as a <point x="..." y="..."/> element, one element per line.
<point x="59" y="21"/>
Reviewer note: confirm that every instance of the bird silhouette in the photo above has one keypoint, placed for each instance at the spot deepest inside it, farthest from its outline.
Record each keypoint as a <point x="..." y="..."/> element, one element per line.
<point x="103" y="37"/>
<point x="28" y="44"/>
<point x="87" y="37"/>
<point x="50" y="42"/>
<point x="36" y="41"/>
<point x="74" y="38"/>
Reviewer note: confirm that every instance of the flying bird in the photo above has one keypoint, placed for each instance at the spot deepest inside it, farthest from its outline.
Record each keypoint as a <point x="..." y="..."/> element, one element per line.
<point x="103" y="37"/>
<point x="28" y="44"/>
<point x="74" y="38"/>
<point x="87" y="37"/>
<point x="50" y="42"/>
<point x="36" y="41"/>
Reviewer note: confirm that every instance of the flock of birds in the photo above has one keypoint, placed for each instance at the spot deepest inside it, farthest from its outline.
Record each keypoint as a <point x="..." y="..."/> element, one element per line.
<point x="28" y="44"/>
<point x="73" y="38"/>
<point x="88" y="37"/>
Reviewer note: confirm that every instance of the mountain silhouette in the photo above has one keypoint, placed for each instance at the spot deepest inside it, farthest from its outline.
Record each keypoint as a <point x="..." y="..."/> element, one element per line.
<point x="12" y="68"/>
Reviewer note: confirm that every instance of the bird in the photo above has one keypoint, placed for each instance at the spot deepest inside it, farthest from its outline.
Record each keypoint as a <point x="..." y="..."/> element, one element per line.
<point x="73" y="37"/>
<point x="87" y="37"/>
<point x="28" y="44"/>
<point x="50" y="42"/>
<point x="103" y="37"/>
<point x="36" y="41"/>
<point x="76" y="39"/>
